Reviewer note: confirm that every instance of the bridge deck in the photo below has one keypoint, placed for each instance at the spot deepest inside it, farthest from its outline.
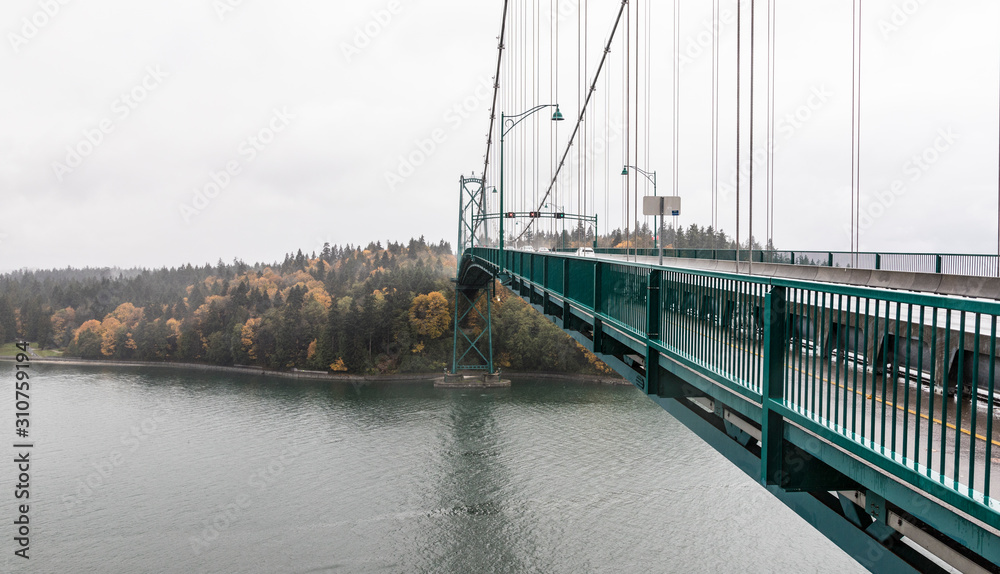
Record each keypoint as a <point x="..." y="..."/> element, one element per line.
<point x="900" y="382"/>
<point x="918" y="281"/>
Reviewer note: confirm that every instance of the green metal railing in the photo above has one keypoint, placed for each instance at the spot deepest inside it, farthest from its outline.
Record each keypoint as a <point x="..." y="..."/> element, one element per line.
<point x="977" y="265"/>
<point x="904" y="381"/>
<point x="861" y="376"/>
<point x="715" y="322"/>
<point x="623" y="294"/>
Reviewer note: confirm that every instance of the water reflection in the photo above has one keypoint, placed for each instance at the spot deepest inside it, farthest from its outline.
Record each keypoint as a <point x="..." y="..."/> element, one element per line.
<point x="475" y="527"/>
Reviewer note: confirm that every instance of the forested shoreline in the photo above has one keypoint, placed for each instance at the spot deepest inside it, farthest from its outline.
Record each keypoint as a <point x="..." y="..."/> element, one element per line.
<point x="366" y="311"/>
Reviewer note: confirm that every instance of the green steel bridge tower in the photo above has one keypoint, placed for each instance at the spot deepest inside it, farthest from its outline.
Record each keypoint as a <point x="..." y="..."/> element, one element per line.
<point x="472" y="348"/>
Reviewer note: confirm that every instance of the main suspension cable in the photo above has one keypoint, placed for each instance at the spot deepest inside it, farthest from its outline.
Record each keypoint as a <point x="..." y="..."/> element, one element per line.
<point x="496" y="90"/>
<point x="583" y="111"/>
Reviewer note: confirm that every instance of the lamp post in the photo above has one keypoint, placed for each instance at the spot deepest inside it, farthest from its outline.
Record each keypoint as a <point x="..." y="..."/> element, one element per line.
<point x="504" y="128"/>
<point x="656" y="223"/>
<point x="562" y="236"/>
<point x="486" y="226"/>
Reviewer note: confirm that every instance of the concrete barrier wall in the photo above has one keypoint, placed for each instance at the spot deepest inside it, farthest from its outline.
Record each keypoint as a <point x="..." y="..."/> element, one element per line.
<point x="940" y="284"/>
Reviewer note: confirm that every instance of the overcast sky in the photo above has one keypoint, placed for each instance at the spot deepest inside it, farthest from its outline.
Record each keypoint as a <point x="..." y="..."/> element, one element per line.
<point x="160" y="133"/>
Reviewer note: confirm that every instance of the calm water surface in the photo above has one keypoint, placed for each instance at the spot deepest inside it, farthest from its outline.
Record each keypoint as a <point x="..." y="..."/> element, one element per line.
<point x="161" y="470"/>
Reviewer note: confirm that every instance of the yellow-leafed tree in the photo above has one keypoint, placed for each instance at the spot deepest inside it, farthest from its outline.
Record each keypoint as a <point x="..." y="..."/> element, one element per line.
<point x="109" y="333"/>
<point x="429" y="315"/>
<point x="248" y="335"/>
<point x="62" y="320"/>
<point x="127" y="314"/>
<point x="92" y="325"/>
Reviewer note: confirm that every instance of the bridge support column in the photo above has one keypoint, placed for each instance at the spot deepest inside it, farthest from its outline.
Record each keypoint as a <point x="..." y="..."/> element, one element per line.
<point x="652" y="364"/>
<point x="773" y="390"/>
<point x="653" y="283"/>
<point x="652" y="358"/>
<point x="597" y="287"/>
<point x="783" y="464"/>
<point x="598" y="346"/>
<point x="566" y="321"/>
<point x="464" y="344"/>
<point x="546" y="299"/>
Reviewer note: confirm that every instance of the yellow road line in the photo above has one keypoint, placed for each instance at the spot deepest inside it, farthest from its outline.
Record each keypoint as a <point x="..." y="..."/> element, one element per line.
<point x="912" y="412"/>
<point x="828" y="381"/>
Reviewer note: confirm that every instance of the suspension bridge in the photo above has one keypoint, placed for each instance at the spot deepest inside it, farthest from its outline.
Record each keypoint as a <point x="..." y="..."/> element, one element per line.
<point x="857" y="386"/>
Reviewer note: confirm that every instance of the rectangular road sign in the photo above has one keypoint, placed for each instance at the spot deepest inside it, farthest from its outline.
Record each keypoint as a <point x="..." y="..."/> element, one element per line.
<point x="660" y="205"/>
<point x="652" y="205"/>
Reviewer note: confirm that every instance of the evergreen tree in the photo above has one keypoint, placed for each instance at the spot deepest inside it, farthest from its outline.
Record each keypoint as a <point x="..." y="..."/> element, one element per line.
<point x="8" y="324"/>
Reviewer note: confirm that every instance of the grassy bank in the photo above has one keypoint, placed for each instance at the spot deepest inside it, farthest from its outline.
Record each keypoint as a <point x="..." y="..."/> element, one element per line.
<point x="11" y="349"/>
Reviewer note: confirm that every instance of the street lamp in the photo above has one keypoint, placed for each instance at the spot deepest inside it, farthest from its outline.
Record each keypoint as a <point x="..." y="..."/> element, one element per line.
<point x="563" y="209"/>
<point x="651" y="177"/>
<point x="486" y="226"/>
<point x="504" y="128"/>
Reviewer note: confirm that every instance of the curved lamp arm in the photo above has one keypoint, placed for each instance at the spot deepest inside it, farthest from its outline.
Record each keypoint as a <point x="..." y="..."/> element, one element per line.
<point x="650" y="176"/>
<point x="510" y="121"/>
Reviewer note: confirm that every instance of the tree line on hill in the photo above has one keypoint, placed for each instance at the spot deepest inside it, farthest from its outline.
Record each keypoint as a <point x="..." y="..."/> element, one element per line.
<point x="548" y="234"/>
<point x="641" y="237"/>
<point x="346" y="309"/>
